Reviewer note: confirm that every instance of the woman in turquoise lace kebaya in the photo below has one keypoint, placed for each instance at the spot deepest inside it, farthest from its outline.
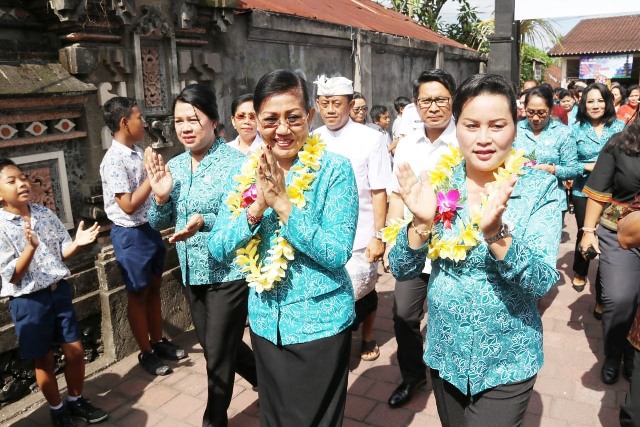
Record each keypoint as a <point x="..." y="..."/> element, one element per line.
<point x="304" y="210"/>
<point x="548" y="141"/>
<point x="484" y="332"/>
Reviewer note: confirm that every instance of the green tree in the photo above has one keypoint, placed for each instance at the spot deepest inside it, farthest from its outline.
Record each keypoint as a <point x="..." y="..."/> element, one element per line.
<point x="467" y="30"/>
<point x="425" y="12"/>
<point x="528" y="54"/>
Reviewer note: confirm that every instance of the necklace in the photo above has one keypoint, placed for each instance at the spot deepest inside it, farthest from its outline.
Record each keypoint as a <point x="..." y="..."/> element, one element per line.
<point x="456" y="246"/>
<point x="264" y="273"/>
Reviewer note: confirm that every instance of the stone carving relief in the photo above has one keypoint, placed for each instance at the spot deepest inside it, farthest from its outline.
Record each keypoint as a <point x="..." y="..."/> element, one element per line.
<point x="184" y="14"/>
<point x="151" y="75"/>
<point x="222" y="19"/>
<point x="41" y="188"/>
<point x="152" y="23"/>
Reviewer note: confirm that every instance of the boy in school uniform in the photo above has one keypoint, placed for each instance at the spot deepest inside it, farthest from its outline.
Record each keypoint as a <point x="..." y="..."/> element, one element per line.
<point x="33" y="245"/>
<point x="138" y="248"/>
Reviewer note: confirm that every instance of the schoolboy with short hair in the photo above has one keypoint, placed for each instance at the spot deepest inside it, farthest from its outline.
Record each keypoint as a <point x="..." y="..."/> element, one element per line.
<point x="138" y="248"/>
<point x="33" y="245"/>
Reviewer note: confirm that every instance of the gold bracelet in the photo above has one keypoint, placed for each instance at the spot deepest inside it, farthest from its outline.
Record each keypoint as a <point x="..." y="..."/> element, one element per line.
<point x="421" y="233"/>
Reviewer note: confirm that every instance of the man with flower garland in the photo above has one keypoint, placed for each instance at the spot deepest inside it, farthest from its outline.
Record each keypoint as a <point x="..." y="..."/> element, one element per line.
<point x="432" y="96"/>
<point x="367" y="151"/>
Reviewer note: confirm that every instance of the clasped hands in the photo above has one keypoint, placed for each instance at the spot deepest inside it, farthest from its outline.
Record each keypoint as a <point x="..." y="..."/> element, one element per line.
<point x="421" y="200"/>
<point x="270" y="187"/>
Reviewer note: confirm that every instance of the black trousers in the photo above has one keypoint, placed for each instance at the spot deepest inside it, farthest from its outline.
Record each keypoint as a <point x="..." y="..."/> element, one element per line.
<point x="408" y="310"/>
<point x="501" y="406"/>
<point x="303" y="384"/>
<point x="620" y="274"/>
<point x="630" y="409"/>
<point x="219" y="313"/>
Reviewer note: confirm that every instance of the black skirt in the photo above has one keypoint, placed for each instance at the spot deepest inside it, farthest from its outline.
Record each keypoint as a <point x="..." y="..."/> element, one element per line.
<point x="303" y="384"/>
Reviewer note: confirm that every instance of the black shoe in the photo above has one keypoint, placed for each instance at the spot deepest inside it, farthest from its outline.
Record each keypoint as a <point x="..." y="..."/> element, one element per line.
<point x="168" y="350"/>
<point x="84" y="410"/>
<point x="402" y="394"/>
<point x="61" y="417"/>
<point x="153" y="364"/>
<point x="610" y="369"/>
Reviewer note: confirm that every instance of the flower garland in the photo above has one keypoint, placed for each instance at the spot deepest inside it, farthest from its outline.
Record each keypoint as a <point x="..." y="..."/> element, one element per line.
<point x="263" y="274"/>
<point x="457" y="246"/>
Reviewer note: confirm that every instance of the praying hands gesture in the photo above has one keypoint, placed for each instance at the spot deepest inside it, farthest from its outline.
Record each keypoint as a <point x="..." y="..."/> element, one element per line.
<point x="270" y="185"/>
<point x="29" y="234"/>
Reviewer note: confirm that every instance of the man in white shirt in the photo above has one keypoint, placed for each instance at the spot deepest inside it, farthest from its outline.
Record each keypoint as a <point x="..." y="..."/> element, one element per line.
<point x="422" y="148"/>
<point x="367" y="151"/>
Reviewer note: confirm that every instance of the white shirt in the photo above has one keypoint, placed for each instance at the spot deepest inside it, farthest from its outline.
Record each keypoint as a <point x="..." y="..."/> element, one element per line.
<point x="122" y="171"/>
<point x="422" y="155"/>
<point x="367" y="151"/>
<point x="255" y="145"/>
<point x="410" y="120"/>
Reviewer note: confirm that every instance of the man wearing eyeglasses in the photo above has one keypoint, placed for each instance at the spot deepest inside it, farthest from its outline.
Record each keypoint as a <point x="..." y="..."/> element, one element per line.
<point x="367" y="151"/>
<point x="433" y="95"/>
<point x="359" y="109"/>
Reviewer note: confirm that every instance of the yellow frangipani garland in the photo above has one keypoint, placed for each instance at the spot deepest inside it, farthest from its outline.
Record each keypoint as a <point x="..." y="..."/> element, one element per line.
<point x="263" y="274"/>
<point x="457" y="246"/>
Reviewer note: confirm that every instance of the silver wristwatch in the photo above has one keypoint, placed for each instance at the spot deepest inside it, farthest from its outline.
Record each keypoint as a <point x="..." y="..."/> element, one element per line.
<point x="378" y="235"/>
<point x="504" y="232"/>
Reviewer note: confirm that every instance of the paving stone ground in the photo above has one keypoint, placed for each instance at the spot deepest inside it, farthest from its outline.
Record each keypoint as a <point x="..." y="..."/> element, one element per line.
<point x="568" y="392"/>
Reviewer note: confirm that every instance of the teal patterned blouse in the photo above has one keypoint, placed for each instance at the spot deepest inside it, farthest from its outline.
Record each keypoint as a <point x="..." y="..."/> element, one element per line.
<point x="484" y="328"/>
<point x="589" y="147"/>
<point x="315" y="299"/>
<point x="202" y="191"/>
<point x="554" y="145"/>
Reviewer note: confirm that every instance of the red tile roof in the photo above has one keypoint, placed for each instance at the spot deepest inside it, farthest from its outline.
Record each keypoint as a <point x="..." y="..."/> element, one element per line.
<point x="364" y="14"/>
<point x="618" y="34"/>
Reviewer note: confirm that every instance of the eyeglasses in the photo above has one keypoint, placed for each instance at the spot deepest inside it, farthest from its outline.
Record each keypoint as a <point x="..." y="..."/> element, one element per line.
<point x="427" y="102"/>
<point x="241" y="117"/>
<point x="356" y="110"/>
<point x="291" y="121"/>
<point x="540" y="113"/>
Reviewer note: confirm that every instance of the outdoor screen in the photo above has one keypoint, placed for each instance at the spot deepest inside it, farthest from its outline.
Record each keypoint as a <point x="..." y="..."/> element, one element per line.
<point x="617" y="66"/>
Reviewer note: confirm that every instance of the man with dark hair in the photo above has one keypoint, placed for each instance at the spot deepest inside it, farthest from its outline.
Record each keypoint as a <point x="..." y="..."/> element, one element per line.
<point x="367" y="151"/>
<point x="359" y="109"/>
<point x="433" y="95"/>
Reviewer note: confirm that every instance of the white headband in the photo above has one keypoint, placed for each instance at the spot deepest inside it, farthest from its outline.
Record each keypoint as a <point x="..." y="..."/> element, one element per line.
<point x="334" y="86"/>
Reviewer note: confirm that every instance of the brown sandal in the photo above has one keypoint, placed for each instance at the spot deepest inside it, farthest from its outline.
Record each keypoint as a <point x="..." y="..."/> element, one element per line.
<point x="369" y="351"/>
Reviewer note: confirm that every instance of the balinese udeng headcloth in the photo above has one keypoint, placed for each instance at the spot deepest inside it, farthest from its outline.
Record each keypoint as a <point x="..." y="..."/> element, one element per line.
<point x="333" y="86"/>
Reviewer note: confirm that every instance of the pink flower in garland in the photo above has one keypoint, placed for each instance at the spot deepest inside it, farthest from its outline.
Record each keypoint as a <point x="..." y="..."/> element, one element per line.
<point x="530" y="163"/>
<point x="249" y="196"/>
<point x="448" y="204"/>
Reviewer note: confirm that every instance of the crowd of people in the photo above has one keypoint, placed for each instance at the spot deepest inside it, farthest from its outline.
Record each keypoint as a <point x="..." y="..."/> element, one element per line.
<point x="462" y="199"/>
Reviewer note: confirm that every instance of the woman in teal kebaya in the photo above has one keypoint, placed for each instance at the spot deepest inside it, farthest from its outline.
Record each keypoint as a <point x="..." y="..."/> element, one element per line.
<point x="188" y="192"/>
<point x="595" y="123"/>
<point x="548" y="141"/>
<point x="294" y="232"/>
<point x="490" y="268"/>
